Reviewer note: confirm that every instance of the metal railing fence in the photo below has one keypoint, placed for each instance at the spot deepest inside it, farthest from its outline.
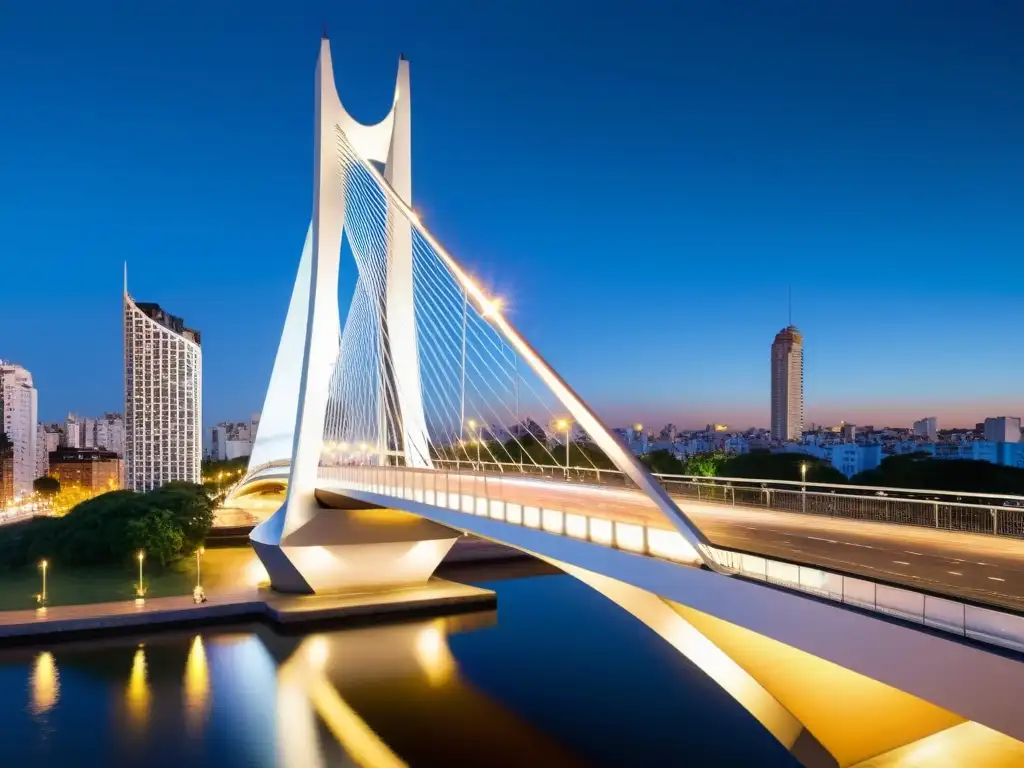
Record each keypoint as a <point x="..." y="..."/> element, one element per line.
<point x="486" y="496"/>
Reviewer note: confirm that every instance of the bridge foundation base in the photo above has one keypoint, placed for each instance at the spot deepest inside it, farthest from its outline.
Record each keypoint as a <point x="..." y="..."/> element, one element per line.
<point x="349" y="550"/>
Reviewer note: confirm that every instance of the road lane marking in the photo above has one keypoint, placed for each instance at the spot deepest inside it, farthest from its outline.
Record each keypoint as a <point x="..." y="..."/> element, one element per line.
<point x="918" y="554"/>
<point x="901" y="562"/>
<point x="955" y="573"/>
<point x="995" y="578"/>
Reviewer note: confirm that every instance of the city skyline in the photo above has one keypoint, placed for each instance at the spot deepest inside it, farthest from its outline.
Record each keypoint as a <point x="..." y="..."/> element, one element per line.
<point x="890" y="186"/>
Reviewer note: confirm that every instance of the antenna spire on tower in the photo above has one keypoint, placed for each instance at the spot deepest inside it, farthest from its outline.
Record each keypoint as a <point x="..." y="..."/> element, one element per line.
<point x="790" y="305"/>
<point x="324" y="35"/>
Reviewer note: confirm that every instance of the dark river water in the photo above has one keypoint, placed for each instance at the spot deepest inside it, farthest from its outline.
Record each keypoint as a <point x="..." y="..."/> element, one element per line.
<point x="556" y="676"/>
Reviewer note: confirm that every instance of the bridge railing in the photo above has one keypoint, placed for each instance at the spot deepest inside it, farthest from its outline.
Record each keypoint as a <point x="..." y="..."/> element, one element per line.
<point x="491" y="497"/>
<point x="967" y="512"/>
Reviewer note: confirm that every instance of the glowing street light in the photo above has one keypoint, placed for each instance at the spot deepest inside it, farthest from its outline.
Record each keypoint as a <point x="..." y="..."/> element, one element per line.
<point x="140" y="592"/>
<point x="41" y="597"/>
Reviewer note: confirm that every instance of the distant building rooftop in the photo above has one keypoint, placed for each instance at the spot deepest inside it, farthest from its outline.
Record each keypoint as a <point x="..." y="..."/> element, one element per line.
<point x="171" y="322"/>
<point x="789" y="332"/>
<point x="69" y="455"/>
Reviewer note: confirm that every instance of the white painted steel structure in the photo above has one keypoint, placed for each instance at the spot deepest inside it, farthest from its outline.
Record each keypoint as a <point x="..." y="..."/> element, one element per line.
<point x="400" y="336"/>
<point x="367" y="418"/>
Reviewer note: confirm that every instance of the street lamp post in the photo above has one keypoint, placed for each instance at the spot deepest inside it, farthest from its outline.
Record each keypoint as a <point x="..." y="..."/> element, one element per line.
<point x="476" y="439"/>
<point x="199" y="566"/>
<point x="141" y="591"/>
<point x="803" y="488"/>
<point x="42" y="595"/>
<point x="565" y="425"/>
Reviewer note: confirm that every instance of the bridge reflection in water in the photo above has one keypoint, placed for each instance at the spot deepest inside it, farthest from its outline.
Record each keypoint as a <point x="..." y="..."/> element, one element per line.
<point x="400" y="695"/>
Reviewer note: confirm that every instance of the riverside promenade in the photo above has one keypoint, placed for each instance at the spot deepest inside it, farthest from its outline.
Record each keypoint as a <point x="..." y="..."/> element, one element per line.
<point x="437" y="595"/>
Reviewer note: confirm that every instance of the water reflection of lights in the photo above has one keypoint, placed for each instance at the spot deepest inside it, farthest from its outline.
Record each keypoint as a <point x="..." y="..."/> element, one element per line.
<point x="197" y="683"/>
<point x="44" y="683"/>
<point x="433" y="655"/>
<point x="138" y="695"/>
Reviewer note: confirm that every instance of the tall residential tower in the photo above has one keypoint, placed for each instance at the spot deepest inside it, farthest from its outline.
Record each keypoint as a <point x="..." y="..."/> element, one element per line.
<point x="18" y="419"/>
<point x="163" y="401"/>
<point x="788" y="385"/>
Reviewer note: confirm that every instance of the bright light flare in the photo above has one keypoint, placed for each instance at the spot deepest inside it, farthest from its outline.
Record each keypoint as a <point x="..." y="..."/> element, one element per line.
<point x="491" y="307"/>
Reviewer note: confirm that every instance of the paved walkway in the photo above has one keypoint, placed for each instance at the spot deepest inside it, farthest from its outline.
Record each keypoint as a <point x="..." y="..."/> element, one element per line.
<point x="242" y="604"/>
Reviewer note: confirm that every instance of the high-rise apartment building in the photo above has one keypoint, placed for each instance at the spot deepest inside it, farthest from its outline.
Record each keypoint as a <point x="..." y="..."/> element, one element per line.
<point x="788" y="385"/>
<point x="53" y="436"/>
<point x="74" y="430"/>
<point x="928" y="428"/>
<point x="19" y="405"/>
<point x="163" y="379"/>
<point x="1002" y="429"/>
<point x="109" y="433"/>
<point x="42" y="455"/>
<point x="231" y="440"/>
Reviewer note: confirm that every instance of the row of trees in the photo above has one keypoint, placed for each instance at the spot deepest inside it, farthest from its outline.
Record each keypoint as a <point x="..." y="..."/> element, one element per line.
<point x="918" y="470"/>
<point x="755" y="465"/>
<point x="166" y="523"/>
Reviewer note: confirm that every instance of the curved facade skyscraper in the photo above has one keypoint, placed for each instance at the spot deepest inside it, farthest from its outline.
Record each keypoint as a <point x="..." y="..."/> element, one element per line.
<point x="788" y="385"/>
<point x="163" y="397"/>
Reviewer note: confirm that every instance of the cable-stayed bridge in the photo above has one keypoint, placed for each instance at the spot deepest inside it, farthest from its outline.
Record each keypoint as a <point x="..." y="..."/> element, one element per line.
<point x="426" y="415"/>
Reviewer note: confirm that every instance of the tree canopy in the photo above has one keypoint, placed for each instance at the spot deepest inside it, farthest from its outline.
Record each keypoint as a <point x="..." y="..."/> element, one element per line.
<point x="46" y="486"/>
<point x="765" y="465"/>
<point x="165" y="523"/>
<point x="921" y="470"/>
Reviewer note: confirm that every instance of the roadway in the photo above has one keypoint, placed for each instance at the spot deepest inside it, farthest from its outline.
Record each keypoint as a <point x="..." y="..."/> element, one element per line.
<point x="986" y="569"/>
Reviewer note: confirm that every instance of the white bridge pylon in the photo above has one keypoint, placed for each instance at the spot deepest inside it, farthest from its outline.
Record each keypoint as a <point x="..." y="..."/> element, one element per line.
<point x="426" y="372"/>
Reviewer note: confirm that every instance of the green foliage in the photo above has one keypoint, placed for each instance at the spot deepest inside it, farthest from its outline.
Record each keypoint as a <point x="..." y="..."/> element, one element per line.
<point x="5" y="443"/>
<point x="211" y="467"/>
<point x="110" y="529"/>
<point x="155" y="534"/>
<point x="190" y="508"/>
<point x="46" y="486"/>
<point x="780" y="466"/>
<point x="921" y="470"/>
<point x="663" y="463"/>
<point x="705" y="464"/>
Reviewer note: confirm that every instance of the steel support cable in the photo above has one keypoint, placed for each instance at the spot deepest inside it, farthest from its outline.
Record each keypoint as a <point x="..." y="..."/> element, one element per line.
<point x="363" y="226"/>
<point x="427" y="315"/>
<point x="372" y="251"/>
<point x="484" y="332"/>
<point x="511" y="410"/>
<point x="494" y="413"/>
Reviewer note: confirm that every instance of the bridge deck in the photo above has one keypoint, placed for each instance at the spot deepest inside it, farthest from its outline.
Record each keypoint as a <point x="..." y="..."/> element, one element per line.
<point x="975" y="567"/>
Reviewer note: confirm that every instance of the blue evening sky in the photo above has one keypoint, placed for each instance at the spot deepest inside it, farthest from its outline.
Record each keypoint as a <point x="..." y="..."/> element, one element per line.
<point x="641" y="180"/>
